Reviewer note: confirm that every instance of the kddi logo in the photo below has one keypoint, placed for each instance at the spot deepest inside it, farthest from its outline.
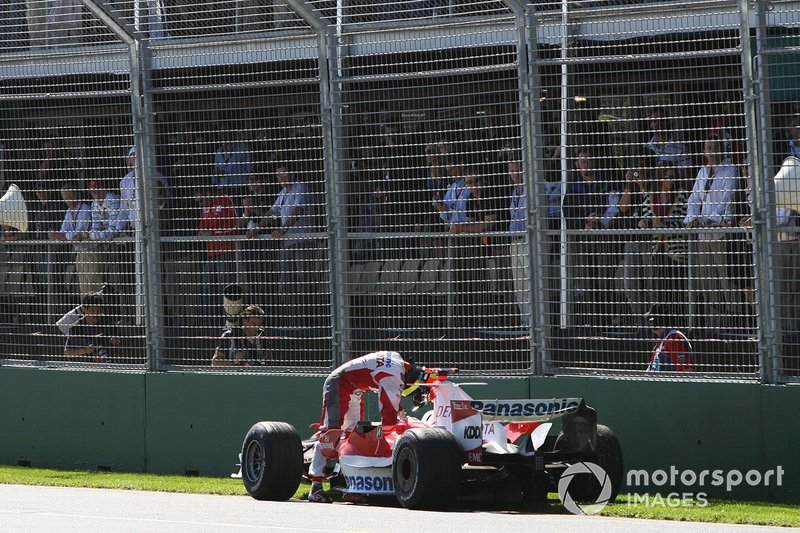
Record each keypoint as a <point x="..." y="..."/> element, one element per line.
<point x="569" y="492"/>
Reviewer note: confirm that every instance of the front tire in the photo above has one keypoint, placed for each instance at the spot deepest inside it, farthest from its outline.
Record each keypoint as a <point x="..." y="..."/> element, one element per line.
<point x="272" y="461"/>
<point x="426" y="468"/>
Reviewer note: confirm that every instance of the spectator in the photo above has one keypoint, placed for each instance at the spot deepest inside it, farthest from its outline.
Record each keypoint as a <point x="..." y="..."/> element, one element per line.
<point x="397" y="186"/>
<point x="452" y="207"/>
<point x="664" y="206"/>
<point x="105" y="210"/>
<point x="588" y="206"/>
<point x="794" y="136"/>
<point x="672" y="351"/>
<point x="436" y="186"/>
<point x="664" y="145"/>
<point x="87" y="337"/>
<point x="244" y="345"/>
<point x="128" y="220"/>
<point x="218" y="221"/>
<point x="732" y="148"/>
<point x="711" y="205"/>
<point x="53" y="23"/>
<point x="75" y="229"/>
<point x="233" y="163"/>
<point x="45" y="217"/>
<point x="256" y="207"/>
<point x="154" y="18"/>
<point x="637" y="273"/>
<point x="473" y="217"/>
<point x="105" y="214"/>
<point x="291" y="216"/>
<point x="519" y="251"/>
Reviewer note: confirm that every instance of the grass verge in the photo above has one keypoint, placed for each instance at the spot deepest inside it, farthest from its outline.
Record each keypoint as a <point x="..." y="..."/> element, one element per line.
<point x="754" y="513"/>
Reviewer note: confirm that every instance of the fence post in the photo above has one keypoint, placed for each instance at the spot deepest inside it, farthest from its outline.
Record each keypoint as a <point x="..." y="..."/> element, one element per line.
<point x="146" y="240"/>
<point x="330" y="109"/>
<point x="758" y="112"/>
<point x="528" y="84"/>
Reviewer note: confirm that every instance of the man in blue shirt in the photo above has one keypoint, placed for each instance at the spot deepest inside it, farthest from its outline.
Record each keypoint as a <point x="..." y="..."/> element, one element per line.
<point x="292" y="214"/>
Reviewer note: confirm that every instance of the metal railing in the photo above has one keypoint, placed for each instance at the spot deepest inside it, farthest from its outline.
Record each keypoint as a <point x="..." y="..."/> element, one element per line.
<point x="349" y="168"/>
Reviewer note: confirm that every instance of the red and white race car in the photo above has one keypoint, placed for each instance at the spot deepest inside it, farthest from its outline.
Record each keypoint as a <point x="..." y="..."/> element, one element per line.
<point x="460" y="446"/>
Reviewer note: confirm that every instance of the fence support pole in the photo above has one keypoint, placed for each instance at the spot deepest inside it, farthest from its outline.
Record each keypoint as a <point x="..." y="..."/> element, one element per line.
<point x="762" y="199"/>
<point x="529" y="86"/>
<point x="146" y="238"/>
<point x="329" y="65"/>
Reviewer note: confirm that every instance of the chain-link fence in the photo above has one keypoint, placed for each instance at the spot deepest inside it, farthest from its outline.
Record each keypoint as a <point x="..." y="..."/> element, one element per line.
<point x="551" y="187"/>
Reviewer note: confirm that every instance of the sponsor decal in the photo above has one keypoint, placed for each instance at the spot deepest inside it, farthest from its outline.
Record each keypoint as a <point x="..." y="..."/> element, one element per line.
<point x="525" y="408"/>
<point x="384" y="360"/>
<point x="370" y="483"/>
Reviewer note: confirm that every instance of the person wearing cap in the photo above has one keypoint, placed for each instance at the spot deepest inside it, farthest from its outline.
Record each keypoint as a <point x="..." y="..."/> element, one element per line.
<point x="672" y="351"/>
<point x="128" y="218"/>
<point x="127" y="215"/>
<point x="244" y="344"/>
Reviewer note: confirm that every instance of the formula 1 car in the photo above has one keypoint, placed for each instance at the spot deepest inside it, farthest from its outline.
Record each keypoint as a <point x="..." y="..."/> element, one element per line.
<point x="459" y="447"/>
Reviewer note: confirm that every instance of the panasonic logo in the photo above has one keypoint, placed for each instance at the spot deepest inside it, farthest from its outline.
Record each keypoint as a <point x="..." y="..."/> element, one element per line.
<point x="525" y="408"/>
<point x="370" y="483"/>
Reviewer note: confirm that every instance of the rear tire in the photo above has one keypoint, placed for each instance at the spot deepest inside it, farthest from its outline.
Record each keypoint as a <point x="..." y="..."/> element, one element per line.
<point x="272" y="461"/>
<point x="608" y="455"/>
<point x="426" y="468"/>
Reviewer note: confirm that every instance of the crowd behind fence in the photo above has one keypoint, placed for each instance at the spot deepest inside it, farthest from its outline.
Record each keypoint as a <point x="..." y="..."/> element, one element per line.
<point x="505" y="187"/>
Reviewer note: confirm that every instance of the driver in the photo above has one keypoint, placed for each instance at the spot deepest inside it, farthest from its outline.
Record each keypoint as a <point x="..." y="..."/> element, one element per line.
<point x="388" y="373"/>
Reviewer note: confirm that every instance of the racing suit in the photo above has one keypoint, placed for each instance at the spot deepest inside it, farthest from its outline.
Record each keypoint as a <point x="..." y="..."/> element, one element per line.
<point x="342" y="405"/>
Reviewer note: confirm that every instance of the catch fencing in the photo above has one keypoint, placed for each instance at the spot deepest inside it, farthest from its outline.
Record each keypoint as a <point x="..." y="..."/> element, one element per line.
<point x="507" y="187"/>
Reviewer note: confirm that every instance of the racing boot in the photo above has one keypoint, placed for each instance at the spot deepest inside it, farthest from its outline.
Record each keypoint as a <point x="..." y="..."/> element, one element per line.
<point x="317" y="494"/>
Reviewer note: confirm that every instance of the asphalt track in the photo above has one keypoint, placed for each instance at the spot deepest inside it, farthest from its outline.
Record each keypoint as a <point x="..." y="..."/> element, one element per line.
<point x="56" y="509"/>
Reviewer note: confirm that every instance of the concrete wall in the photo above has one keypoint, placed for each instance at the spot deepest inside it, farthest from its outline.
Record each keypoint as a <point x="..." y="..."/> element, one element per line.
<point x="174" y="423"/>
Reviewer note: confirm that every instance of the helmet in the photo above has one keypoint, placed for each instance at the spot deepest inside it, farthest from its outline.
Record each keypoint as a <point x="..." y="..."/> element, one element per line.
<point x="414" y="374"/>
<point x="413" y="377"/>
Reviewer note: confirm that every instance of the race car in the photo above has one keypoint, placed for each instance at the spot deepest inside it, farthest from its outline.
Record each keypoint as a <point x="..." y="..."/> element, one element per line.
<point x="459" y="447"/>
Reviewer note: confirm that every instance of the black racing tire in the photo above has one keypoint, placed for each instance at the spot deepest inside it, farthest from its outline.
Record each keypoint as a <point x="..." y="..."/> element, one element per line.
<point x="272" y="461"/>
<point x="608" y="455"/>
<point x="426" y="468"/>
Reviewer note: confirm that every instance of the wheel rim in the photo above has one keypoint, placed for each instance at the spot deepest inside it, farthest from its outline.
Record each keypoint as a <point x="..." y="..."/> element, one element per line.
<point x="254" y="462"/>
<point x="406" y="469"/>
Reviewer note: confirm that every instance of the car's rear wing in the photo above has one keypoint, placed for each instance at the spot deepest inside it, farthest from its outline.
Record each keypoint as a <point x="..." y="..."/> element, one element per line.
<point x="540" y="410"/>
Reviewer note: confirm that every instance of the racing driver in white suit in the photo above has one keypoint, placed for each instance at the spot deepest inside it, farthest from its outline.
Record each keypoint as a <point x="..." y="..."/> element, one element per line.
<point x="388" y="373"/>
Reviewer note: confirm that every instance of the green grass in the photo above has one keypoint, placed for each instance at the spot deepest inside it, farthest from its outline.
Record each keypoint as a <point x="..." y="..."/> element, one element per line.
<point x="728" y="512"/>
<point x="113" y="480"/>
<point x="715" y="511"/>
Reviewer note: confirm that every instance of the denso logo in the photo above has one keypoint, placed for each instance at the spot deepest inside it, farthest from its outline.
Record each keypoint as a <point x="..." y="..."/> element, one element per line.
<point x="370" y="483"/>
<point x="525" y="407"/>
